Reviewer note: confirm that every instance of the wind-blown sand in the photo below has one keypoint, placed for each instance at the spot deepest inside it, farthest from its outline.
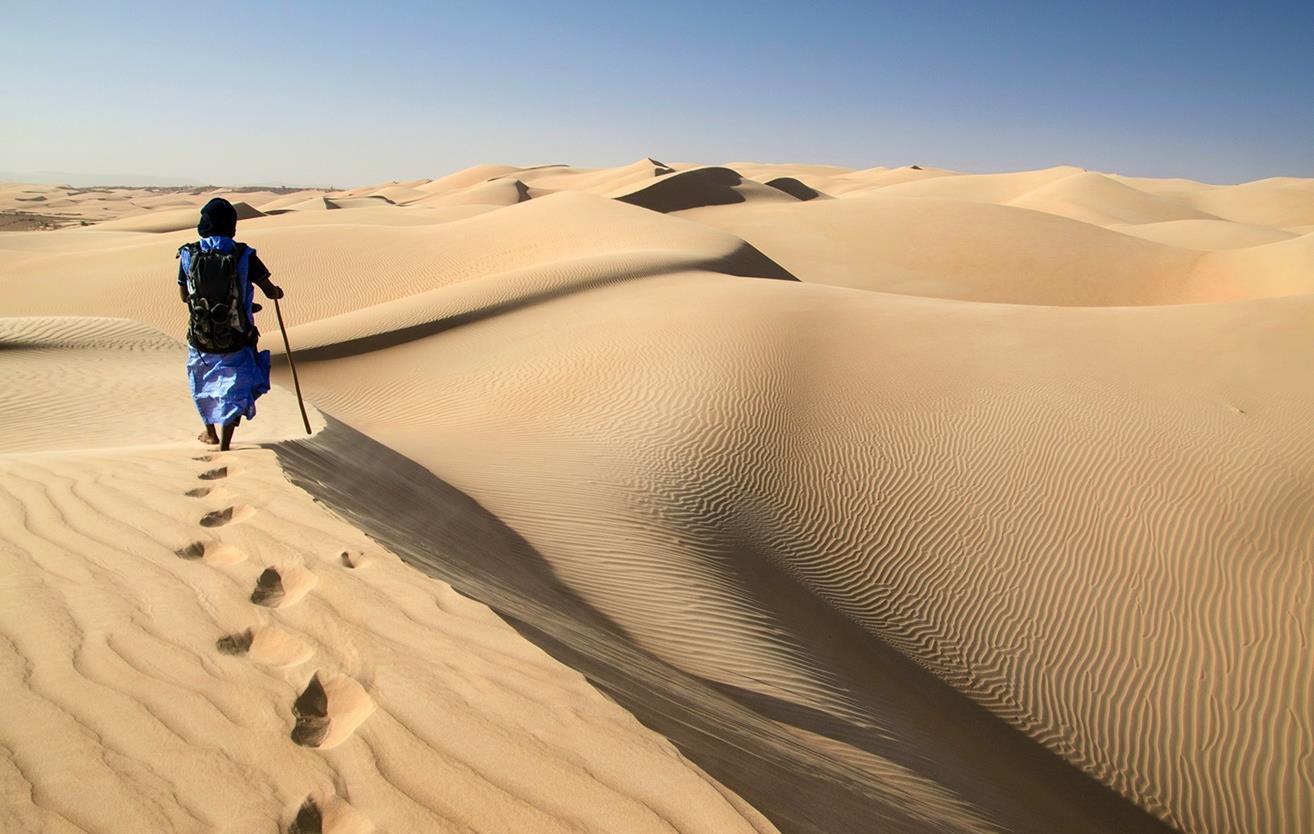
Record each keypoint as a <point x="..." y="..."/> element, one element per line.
<point x="896" y="499"/>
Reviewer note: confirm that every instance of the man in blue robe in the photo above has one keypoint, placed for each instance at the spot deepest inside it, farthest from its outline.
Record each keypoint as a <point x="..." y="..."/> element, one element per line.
<point x="225" y="384"/>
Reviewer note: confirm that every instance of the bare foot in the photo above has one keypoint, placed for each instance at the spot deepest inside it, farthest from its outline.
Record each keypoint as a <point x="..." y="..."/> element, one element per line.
<point x="228" y="430"/>
<point x="209" y="438"/>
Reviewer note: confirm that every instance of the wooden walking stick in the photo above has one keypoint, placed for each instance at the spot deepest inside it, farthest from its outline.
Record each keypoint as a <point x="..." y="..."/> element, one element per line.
<point x="288" y="348"/>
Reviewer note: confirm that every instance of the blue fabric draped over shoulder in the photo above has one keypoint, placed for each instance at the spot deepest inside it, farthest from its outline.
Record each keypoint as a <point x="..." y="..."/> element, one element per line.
<point x="225" y="386"/>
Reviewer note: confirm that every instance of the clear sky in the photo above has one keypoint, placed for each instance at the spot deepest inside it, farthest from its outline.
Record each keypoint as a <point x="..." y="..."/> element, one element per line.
<point x="355" y="93"/>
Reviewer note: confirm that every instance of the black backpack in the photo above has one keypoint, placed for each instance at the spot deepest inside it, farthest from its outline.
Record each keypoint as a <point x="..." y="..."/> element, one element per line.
<point x="217" y="322"/>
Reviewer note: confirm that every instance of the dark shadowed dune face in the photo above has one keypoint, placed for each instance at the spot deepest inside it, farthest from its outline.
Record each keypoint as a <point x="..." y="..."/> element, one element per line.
<point x="919" y="726"/>
<point x="689" y="189"/>
<point x="795" y="188"/>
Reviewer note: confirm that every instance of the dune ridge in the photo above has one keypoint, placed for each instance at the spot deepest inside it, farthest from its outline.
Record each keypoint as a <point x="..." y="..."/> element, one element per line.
<point x="989" y="516"/>
<point x="199" y="659"/>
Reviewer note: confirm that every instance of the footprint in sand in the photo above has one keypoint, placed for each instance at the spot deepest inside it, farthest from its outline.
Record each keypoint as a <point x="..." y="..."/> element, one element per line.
<point x="354" y="559"/>
<point x="282" y="588"/>
<point x="331" y="816"/>
<point x="308" y="820"/>
<point x="310" y="710"/>
<point x="214" y="474"/>
<point x="213" y="553"/>
<point x="217" y="493"/>
<point x="329" y="710"/>
<point x="267" y="644"/>
<point x="238" y="643"/>
<point x="227" y="515"/>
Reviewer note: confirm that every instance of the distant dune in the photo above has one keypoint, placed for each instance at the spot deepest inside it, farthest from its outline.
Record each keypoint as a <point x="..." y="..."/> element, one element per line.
<point x="800" y="498"/>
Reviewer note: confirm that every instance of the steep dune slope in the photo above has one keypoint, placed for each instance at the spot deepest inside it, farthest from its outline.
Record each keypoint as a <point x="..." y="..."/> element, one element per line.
<point x="960" y="508"/>
<point x="699" y="187"/>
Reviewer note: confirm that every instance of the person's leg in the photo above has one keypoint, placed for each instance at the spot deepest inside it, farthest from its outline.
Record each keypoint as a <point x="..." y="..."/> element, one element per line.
<point x="208" y="437"/>
<point x="227" y="436"/>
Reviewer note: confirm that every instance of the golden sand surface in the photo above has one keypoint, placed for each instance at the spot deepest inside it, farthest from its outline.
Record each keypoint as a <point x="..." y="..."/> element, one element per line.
<point x="895" y="499"/>
<point x="190" y="643"/>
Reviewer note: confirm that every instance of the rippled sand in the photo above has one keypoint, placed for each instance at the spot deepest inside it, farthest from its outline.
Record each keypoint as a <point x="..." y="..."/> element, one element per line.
<point x="898" y="499"/>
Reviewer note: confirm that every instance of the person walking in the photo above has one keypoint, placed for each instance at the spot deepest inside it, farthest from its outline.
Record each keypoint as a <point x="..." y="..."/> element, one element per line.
<point x="226" y="369"/>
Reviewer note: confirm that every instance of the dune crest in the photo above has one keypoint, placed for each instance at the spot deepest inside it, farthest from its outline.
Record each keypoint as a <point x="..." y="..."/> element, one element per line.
<point x="698" y="187"/>
<point x="895" y="499"/>
<point x="140" y="677"/>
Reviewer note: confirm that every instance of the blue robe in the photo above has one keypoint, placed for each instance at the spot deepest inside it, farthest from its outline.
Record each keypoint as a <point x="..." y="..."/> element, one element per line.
<point x="225" y="386"/>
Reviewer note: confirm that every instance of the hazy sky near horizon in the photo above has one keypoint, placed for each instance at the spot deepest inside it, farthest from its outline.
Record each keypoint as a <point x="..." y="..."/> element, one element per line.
<point x="355" y="93"/>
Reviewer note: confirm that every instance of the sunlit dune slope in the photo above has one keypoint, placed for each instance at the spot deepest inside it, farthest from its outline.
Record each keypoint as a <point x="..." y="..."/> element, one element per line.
<point x="993" y="515"/>
<point x="193" y="644"/>
<point x="1103" y="507"/>
<point x="542" y="240"/>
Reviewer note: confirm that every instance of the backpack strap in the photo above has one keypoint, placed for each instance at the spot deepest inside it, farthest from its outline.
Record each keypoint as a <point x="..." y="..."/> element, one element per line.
<point x="192" y="249"/>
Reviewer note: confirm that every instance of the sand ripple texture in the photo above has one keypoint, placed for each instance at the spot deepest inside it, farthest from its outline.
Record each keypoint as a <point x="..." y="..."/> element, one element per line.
<point x="1047" y="435"/>
<point x="274" y="669"/>
<point x="1105" y="540"/>
<point x="80" y="383"/>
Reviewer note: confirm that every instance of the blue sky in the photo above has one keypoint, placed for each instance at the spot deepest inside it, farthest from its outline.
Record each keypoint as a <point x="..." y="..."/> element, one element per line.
<point x="363" y="92"/>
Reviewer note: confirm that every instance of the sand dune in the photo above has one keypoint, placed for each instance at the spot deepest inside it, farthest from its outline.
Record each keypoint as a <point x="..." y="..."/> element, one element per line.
<point x="316" y="203"/>
<point x="496" y="192"/>
<point x="366" y="201"/>
<point x="992" y="515"/>
<point x="400" y="260"/>
<point x="1204" y="234"/>
<point x="601" y="180"/>
<point x="977" y="188"/>
<point x="467" y="178"/>
<point x="1069" y="578"/>
<point x="699" y="187"/>
<point x="1095" y="198"/>
<point x="959" y="249"/>
<point x="237" y="674"/>
<point x="67" y="206"/>
<point x="795" y="188"/>
<point x="1283" y="205"/>
<point x="970" y="251"/>
<point x="56" y="373"/>
<point x="171" y="220"/>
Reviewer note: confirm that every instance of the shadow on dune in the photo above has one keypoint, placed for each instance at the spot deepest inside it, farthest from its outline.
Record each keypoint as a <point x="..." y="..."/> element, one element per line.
<point x="745" y="262"/>
<point x="741" y="738"/>
<point x="795" y="188"/>
<point x="688" y="189"/>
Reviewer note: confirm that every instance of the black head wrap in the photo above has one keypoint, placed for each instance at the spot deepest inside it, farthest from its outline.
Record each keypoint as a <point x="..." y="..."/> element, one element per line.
<point x="218" y="217"/>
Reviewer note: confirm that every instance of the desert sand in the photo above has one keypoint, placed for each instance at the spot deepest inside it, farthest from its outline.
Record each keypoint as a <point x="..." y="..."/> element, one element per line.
<point x="685" y="497"/>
